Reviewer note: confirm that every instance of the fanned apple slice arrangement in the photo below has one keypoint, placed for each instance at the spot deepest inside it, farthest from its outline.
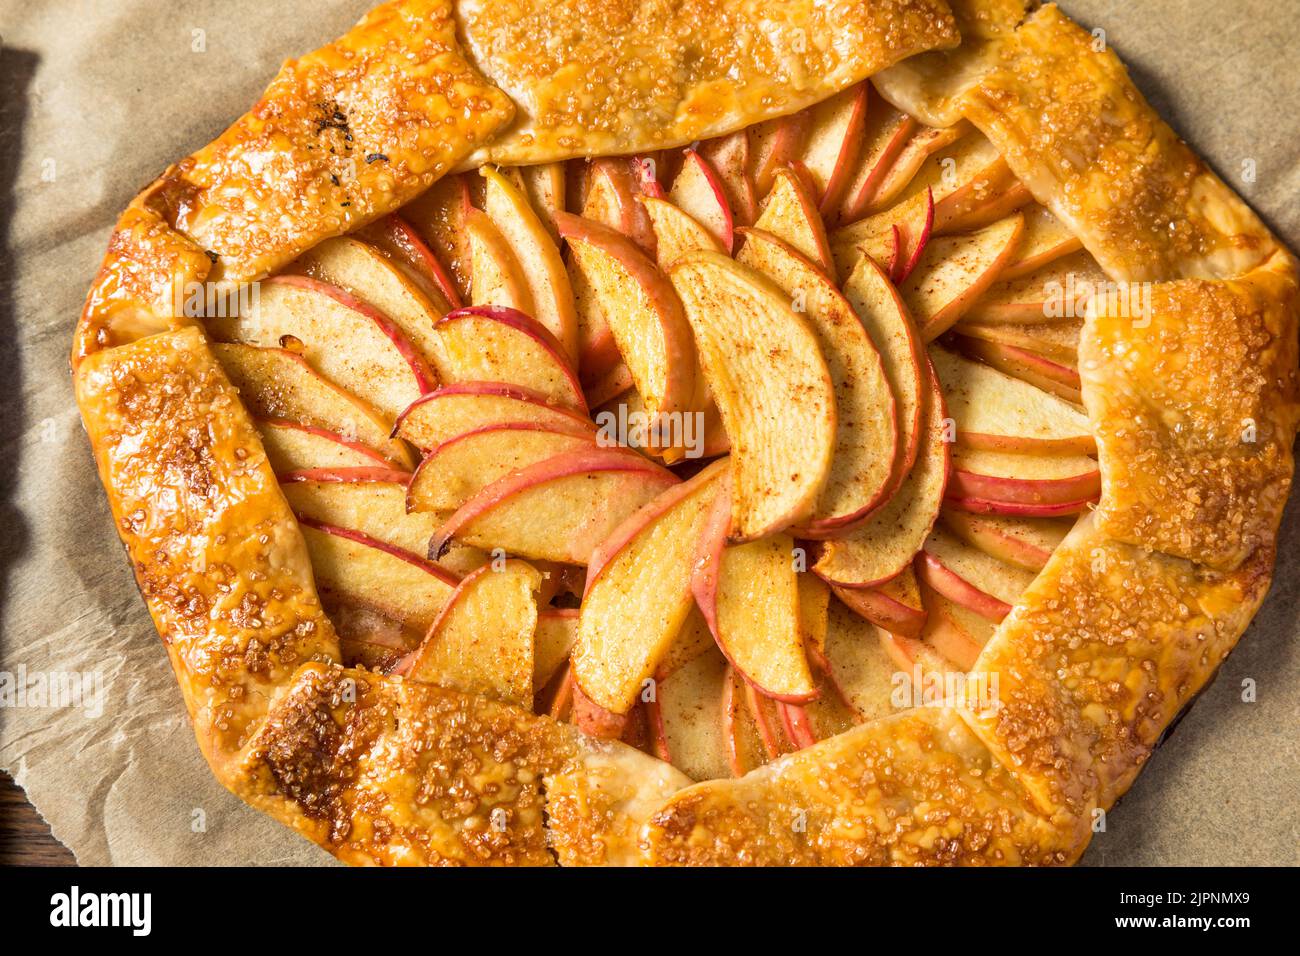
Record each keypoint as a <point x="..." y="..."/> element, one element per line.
<point x="699" y="449"/>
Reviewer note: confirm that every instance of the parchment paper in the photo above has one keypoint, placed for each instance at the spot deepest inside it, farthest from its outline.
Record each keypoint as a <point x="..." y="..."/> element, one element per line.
<point x="99" y="97"/>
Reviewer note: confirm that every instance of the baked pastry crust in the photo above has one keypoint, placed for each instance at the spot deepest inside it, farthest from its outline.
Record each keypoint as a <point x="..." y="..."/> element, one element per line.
<point x="1137" y="608"/>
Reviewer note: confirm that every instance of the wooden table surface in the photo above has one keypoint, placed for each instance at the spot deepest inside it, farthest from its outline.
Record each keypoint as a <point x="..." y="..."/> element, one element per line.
<point x="25" y="840"/>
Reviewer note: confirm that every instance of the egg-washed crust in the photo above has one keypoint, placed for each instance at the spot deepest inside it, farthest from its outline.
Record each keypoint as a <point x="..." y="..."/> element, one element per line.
<point x="1062" y="111"/>
<point x="379" y="770"/>
<point x="1193" y="400"/>
<point x="1104" y="649"/>
<point x="640" y="76"/>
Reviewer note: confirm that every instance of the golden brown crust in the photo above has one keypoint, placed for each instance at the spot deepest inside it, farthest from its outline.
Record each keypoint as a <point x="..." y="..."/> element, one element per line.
<point x="915" y="788"/>
<point x="1193" y="400"/>
<point x="641" y="75"/>
<point x="216" y="550"/>
<point x="1104" y="649"/>
<point x="1076" y="131"/>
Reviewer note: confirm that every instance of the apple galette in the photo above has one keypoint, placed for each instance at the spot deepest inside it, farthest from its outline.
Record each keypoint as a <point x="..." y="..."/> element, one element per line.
<point x="821" y="432"/>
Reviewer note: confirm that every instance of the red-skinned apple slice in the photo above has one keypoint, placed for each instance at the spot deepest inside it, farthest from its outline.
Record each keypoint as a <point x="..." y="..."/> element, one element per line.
<point x="774" y="144"/>
<point x="729" y="157"/>
<point x="765" y="370"/>
<point x="691" y="641"/>
<point x="1058" y="341"/>
<point x="862" y="672"/>
<point x="866" y="434"/>
<point x="614" y="384"/>
<point x="1025" y="542"/>
<point x="1057" y="291"/>
<point x="911" y="239"/>
<point x="833" y="142"/>
<point x="498" y="278"/>
<point x="814" y="602"/>
<point x="1032" y="479"/>
<point x="791" y="215"/>
<point x="744" y="739"/>
<point x="292" y="446"/>
<point x="560" y="706"/>
<point x="348" y="341"/>
<point x="885" y="317"/>
<point x="553" y="640"/>
<point x="539" y="259"/>
<point x="676" y="233"/>
<point x="766" y="716"/>
<point x="691" y="727"/>
<point x="1051" y="376"/>
<point x="462" y="466"/>
<point x="355" y="569"/>
<point x="894" y="605"/>
<point x="749" y="596"/>
<point x="996" y="412"/>
<point x="642" y="310"/>
<point x="277" y="383"/>
<point x="969" y="577"/>
<point x="1019" y="509"/>
<point x="438" y="217"/>
<point x="885" y="133"/>
<point x="907" y="166"/>
<point x="369" y="500"/>
<point x="912" y="656"/>
<point x="455" y="409"/>
<point x="612" y="199"/>
<point x="884" y="544"/>
<point x="403" y="246"/>
<point x="596" y="721"/>
<point x="482" y="642"/>
<point x="560" y="509"/>
<point x="954" y="271"/>
<point x="645" y="170"/>
<point x="698" y="192"/>
<point x="497" y="344"/>
<point x="950" y="634"/>
<point x="638" y="591"/>
<point x="1044" y="241"/>
<point x="544" y="185"/>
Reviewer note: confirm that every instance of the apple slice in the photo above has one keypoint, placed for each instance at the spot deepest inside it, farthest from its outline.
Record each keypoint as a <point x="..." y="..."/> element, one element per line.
<point x="990" y="194"/>
<point x="767" y="720"/>
<point x="745" y="741"/>
<point x="612" y="199"/>
<point x="403" y="246"/>
<point x="866" y="434"/>
<point x="1056" y="291"/>
<point x="559" y="509"/>
<point x="364" y="272"/>
<point x="1053" y="376"/>
<point x="913" y="658"/>
<point x="691" y="641"/>
<point x="790" y="214"/>
<point x="749" y="596"/>
<point x="596" y="721"/>
<point x="456" y="409"/>
<point x="348" y="341"/>
<point x="882" y="313"/>
<point x="642" y="310"/>
<point x="884" y="544"/>
<point x="970" y="577"/>
<point x="497" y="344"/>
<point x="910" y="161"/>
<point x="538" y="256"/>
<point x="832" y="145"/>
<point x="438" y="217"/>
<point x="885" y="133"/>
<point x="1045" y="240"/>
<point x="863" y="675"/>
<point x="698" y="191"/>
<point x="544" y="185"/>
<point x="676" y="233"/>
<point x="291" y="446"/>
<point x="814" y="601"/>
<point x="1029" y="479"/>
<point x="461" y="467"/>
<point x="646" y="171"/>
<point x="553" y="640"/>
<point x="955" y="636"/>
<point x="1025" y="542"/>
<point x="954" y="271"/>
<point x="729" y="157"/>
<point x="766" y="372"/>
<point x="498" y="278"/>
<point x="639" y="591"/>
<point x="691" y="732"/>
<point x="1058" y="341"/>
<point x="356" y="571"/>
<point x="996" y="412"/>
<point x="773" y="145"/>
<point x="482" y="642"/>
<point x="894" y="605"/>
<point x="369" y="500"/>
<point x="614" y="384"/>
<point x="277" y="383"/>
<point x="560" y="705"/>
